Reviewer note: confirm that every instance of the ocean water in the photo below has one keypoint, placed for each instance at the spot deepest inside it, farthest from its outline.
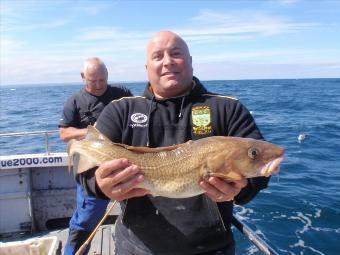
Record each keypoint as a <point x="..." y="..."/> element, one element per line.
<point x="299" y="213"/>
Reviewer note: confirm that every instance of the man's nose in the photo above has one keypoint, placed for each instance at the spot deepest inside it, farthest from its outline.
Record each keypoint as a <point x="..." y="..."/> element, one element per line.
<point x="167" y="59"/>
<point x="99" y="84"/>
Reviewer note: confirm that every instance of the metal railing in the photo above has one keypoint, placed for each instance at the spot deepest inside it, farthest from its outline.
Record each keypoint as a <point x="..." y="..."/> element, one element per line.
<point x="252" y="236"/>
<point x="34" y="133"/>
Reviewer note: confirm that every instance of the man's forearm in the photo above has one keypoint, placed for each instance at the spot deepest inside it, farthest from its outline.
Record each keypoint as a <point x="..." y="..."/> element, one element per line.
<point x="69" y="133"/>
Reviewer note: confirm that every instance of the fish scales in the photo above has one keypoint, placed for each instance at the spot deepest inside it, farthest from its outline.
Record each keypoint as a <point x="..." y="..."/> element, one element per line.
<point x="175" y="171"/>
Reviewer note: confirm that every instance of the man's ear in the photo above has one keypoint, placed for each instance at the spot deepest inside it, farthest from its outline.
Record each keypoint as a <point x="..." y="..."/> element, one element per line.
<point x="82" y="75"/>
<point x="146" y="66"/>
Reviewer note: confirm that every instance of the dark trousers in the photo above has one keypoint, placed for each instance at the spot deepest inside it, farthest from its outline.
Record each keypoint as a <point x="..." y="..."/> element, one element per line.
<point x="75" y="239"/>
<point x="119" y="250"/>
<point x="124" y="247"/>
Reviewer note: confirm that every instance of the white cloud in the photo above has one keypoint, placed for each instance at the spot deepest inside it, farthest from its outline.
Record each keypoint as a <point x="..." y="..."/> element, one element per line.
<point x="26" y="15"/>
<point x="110" y="33"/>
<point x="246" y="22"/>
<point x="276" y="56"/>
<point x="54" y="68"/>
<point x="97" y="8"/>
<point x="9" y="45"/>
<point x="287" y="2"/>
<point x="239" y="71"/>
<point x="24" y="26"/>
<point x="208" y="26"/>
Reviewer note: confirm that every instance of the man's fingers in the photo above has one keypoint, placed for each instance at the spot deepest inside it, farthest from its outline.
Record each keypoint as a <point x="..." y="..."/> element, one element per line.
<point x="116" y="178"/>
<point x="211" y="191"/>
<point x="126" y="186"/>
<point x="227" y="187"/>
<point x="121" y="176"/>
<point x="108" y="167"/>
<point x="220" y="190"/>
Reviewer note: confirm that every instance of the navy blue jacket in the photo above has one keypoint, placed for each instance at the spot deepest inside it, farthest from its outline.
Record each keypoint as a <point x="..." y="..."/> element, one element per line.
<point x="176" y="226"/>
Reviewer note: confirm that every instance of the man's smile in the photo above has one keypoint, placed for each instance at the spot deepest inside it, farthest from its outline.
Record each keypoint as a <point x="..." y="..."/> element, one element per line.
<point x="169" y="73"/>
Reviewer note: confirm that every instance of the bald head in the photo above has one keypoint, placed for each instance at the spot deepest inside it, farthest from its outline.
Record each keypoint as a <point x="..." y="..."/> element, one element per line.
<point x="167" y="35"/>
<point x="95" y="76"/>
<point x="169" y="65"/>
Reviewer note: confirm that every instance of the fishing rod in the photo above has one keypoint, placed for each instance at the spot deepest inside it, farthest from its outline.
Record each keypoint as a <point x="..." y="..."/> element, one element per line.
<point x="253" y="237"/>
<point x="84" y="246"/>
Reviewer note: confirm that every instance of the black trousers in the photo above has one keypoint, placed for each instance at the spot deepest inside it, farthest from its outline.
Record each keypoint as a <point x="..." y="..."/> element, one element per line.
<point x="124" y="247"/>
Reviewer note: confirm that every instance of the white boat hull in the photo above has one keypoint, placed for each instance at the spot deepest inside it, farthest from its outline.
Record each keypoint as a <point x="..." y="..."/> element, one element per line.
<point x="36" y="192"/>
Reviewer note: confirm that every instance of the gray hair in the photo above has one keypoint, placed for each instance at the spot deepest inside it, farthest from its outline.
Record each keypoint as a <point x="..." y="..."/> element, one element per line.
<point x="93" y="62"/>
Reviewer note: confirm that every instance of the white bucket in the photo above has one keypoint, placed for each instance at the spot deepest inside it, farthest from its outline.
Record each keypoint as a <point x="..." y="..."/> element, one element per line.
<point x="34" y="246"/>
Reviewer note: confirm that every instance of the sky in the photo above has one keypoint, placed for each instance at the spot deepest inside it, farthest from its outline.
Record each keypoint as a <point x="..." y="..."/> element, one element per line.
<point x="46" y="41"/>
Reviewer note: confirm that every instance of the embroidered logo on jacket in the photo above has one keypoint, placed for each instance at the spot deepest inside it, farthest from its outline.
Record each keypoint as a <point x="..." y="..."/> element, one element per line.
<point x="139" y="120"/>
<point x="201" y="120"/>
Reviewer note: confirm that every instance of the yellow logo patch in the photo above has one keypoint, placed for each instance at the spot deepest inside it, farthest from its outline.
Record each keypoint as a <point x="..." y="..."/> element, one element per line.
<point x="201" y="120"/>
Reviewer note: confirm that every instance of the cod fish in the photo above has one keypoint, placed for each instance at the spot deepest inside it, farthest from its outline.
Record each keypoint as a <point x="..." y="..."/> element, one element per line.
<point x="175" y="171"/>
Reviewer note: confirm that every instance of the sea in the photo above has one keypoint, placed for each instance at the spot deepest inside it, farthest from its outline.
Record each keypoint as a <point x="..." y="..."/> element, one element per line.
<point x="299" y="213"/>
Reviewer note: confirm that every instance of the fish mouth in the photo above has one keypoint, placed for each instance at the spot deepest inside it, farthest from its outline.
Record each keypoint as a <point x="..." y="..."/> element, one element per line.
<point x="271" y="167"/>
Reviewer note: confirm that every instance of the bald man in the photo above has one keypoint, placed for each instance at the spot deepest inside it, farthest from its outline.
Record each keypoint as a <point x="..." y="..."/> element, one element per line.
<point x="174" y="108"/>
<point x="80" y="110"/>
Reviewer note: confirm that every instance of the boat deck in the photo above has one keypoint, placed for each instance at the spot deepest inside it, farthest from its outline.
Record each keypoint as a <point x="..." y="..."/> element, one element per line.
<point x="102" y="243"/>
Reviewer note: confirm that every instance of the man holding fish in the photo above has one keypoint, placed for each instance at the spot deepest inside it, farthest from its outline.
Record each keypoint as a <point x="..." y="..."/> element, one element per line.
<point x="174" y="109"/>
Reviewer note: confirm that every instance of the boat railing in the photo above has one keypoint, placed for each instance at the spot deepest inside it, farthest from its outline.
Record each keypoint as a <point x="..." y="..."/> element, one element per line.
<point x="46" y="134"/>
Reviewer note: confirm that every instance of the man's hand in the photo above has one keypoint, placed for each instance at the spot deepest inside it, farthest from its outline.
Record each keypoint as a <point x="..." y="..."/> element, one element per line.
<point x="118" y="179"/>
<point x="220" y="190"/>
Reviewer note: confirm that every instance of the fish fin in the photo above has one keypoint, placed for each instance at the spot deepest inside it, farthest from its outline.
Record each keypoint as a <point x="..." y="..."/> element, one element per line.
<point x="70" y="157"/>
<point x="94" y="134"/>
<point x="69" y="164"/>
<point x="82" y="164"/>
<point x="150" y="150"/>
<point x="231" y="176"/>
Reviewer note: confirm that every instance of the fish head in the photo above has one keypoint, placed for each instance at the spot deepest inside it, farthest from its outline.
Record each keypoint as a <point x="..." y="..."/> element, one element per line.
<point x="244" y="157"/>
<point x="259" y="158"/>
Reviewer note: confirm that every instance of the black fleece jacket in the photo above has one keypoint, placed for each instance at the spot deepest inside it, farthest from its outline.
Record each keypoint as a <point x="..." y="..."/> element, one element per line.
<point x="158" y="225"/>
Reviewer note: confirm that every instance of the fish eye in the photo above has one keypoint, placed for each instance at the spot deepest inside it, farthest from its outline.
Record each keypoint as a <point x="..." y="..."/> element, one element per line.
<point x="253" y="152"/>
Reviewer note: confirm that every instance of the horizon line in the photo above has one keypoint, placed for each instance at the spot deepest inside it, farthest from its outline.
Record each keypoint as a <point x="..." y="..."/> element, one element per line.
<point x="145" y="81"/>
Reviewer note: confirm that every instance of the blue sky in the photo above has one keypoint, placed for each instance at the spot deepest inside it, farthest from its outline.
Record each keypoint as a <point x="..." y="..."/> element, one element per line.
<point x="47" y="41"/>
